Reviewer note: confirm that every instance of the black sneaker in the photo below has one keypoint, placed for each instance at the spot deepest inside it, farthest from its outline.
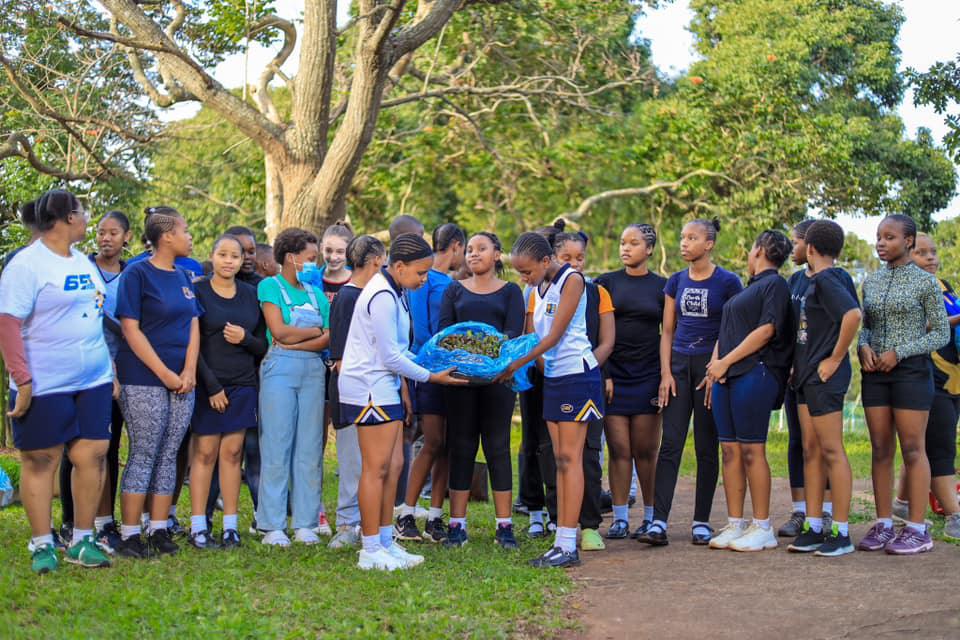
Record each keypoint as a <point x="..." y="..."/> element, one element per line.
<point x="175" y="528"/>
<point x="456" y="536"/>
<point x="520" y="509"/>
<point x="435" y="530"/>
<point x="642" y="529"/>
<point x="108" y="538"/>
<point x="701" y="535"/>
<point x="809" y="540"/>
<point x="203" y="540"/>
<point x="557" y="558"/>
<point x="606" y="502"/>
<point x="230" y="539"/>
<point x="827" y="523"/>
<point x="632" y="501"/>
<point x="794" y="526"/>
<point x="618" y="530"/>
<point x="654" y="536"/>
<point x="835" y="545"/>
<point x="133" y="547"/>
<point x="505" y="538"/>
<point x="58" y="542"/>
<point x="161" y="542"/>
<point x="406" y="529"/>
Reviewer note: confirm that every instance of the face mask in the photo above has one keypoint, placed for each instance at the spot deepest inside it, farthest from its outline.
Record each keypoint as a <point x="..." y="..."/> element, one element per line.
<point x="310" y="274"/>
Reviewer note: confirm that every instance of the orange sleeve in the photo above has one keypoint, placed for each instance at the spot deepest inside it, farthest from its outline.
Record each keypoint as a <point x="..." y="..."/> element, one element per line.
<point x="606" y="302"/>
<point x="531" y="302"/>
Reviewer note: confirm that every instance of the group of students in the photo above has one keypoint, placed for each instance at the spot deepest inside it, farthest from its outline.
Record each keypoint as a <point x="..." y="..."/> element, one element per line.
<point x="257" y="351"/>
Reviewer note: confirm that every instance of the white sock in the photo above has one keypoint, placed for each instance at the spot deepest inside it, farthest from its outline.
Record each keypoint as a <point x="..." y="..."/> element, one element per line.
<point x="79" y="534"/>
<point x="763" y="524"/>
<point x="144" y="519"/>
<point x="46" y="538"/>
<point x="229" y="522"/>
<point x="661" y="524"/>
<point x="648" y="514"/>
<point x="407" y="510"/>
<point x="157" y="525"/>
<point x="843" y="528"/>
<point x="459" y="521"/>
<point x="828" y="508"/>
<point x="173" y="511"/>
<point x="128" y="531"/>
<point x="567" y="538"/>
<point x="198" y="524"/>
<point x="435" y="512"/>
<point x="736" y="522"/>
<point x="800" y="506"/>
<point x="816" y="524"/>
<point x="504" y="521"/>
<point x="386" y="536"/>
<point x="902" y="503"/>
<point x="535" y="517"/>
<point x="620" y="512"/>
<point x="920" y="527"/>
<point x="371" y="544"/>
<point x="699" y="525"/>
<point x="101" y="521"/>
<point x="886" y="522"/>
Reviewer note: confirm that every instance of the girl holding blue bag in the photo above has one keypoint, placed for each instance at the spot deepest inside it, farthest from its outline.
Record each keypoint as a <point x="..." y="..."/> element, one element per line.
<point x="292" y="391"/>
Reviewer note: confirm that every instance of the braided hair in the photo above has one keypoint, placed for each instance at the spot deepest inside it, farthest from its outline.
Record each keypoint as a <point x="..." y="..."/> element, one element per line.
<point x="158" y="224"/>
<point x="800" y="229"/>
<point x="532" y="245"/>
<point x="646" y="231"/>
<point x="776" y="246"/>
<point x="362" y="249"/>
<point x="54" y="205"/>
<point x="446" y="234"/>
<point x="710" y="227"/>
<point x="495" y="241"/>
<point x="908" y="225"/>
<point x="409" y="247"/>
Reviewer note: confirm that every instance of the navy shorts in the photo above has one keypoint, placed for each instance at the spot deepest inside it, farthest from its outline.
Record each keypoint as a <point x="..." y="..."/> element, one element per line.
<point x="58" y="418"/>
<point x="824" y="398"/>
<point x="908" y="386"/>
<point x="428" y="399"/>
<point x="577" y="397"/>
<point x="634" y="398"/>
<point x="742" y="406"/>
<point x="371" y="414"/>
<point x="241" y="412"/>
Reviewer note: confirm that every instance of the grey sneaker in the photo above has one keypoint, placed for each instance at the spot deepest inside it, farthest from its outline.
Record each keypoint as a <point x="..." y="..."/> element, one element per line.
<point x="901" y="510"/>
<point x="347" y="536"/>
<point x="827" y="523"/>
<point x="951" y="527"/>
<point x="794" y="526"/>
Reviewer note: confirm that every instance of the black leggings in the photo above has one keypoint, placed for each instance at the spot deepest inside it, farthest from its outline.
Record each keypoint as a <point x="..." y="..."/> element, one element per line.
<point x="538" y="482"/>
<point x="941" y="442"/>
<point x="478" y="415"/>
<point x="113" y="467"/>
<point x="688" y="371"/>
<point x="795" y="443"/>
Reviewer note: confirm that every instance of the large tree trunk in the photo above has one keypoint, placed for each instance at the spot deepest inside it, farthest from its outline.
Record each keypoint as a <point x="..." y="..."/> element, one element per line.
<point x="273" y="205"/>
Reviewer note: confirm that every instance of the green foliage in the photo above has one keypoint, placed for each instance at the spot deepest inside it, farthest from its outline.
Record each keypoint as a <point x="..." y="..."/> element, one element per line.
<point x="939" y="87"/>
<point x="11" y="465"/>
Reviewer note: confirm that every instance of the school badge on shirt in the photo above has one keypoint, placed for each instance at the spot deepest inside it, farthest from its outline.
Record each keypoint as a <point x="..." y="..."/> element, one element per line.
<point x="551" y="308"/>
<point x="188" y="293"/>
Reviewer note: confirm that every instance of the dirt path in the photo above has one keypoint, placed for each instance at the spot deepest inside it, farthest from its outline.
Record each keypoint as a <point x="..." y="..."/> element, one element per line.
<point x="681" y="591"/>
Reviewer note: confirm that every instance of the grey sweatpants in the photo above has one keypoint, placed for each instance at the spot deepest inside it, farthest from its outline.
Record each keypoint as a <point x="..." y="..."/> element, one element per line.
<point x="157" y="420"/>
<point x="348" y="467"/>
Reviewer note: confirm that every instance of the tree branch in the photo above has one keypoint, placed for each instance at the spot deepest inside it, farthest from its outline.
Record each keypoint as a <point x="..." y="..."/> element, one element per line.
<point x="193" y="190"/>
<point x="18" y="146"/>
<point x="632" y="192"/>
<point x="262" y="91"/>
<point x="414" y="36"/>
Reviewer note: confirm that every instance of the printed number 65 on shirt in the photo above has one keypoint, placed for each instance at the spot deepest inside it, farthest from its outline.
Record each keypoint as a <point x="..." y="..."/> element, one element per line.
<point x="80" y="282"/>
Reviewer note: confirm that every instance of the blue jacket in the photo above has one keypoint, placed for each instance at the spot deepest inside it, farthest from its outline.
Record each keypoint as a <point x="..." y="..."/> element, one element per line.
<point x="193" y="268"/>
<point x="425" y="307"/>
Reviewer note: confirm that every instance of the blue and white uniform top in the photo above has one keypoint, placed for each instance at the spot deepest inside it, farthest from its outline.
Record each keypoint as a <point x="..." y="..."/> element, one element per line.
<point x="573" y="354"/>
<point x="60" y="302"/>
<point x="377" y="353"/>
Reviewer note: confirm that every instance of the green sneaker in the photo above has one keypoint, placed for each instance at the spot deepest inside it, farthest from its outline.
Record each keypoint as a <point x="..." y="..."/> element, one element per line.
<point x="44" y="559"/>
<point x="87" y="554"/>
<point x="590" y="540"/>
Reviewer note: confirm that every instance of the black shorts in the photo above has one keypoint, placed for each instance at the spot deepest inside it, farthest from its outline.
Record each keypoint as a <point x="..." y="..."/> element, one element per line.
<point x="428" y="399"/>
<point x="824" y="398"/>
<point x="908" y="386"/>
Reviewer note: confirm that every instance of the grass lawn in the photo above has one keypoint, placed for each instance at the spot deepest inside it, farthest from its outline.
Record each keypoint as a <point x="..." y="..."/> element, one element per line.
<point x="307" y="591"/>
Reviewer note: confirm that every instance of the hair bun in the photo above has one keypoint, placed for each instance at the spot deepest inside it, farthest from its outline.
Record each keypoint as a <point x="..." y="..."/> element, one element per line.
<point x="559" y="224"/>
<point x="28" y="213"/>
<point x="716" y="223"/>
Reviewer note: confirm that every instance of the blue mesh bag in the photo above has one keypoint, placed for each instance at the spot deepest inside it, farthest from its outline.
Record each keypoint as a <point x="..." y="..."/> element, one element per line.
<point x="477" y="368"/>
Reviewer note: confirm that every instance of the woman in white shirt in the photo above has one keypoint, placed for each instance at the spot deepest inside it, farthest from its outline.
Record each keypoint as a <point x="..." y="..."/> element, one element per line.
<point x="51" y="304"/>
<point x="373" y="397"/>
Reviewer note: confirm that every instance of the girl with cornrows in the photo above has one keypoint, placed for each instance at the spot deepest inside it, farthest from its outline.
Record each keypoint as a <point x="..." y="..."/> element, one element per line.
<point x="429" y="402"/>
<point x="572" y="384"/>
<point x="372" y="396"/>
<point x="52" y="301"/>
<point x="632" y="422"/>
<point x="157" y="367"/>
<point x="693" y="304"/>
<point x="904" y="322"/>
<point x="745" y="380"/>
<point x="481" y="414"/>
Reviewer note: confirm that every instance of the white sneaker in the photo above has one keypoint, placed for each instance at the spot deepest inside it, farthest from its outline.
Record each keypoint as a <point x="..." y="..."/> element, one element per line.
<point x="306" y="536"/>
<point x="418" y="512"/>
<point x="323" y="528"/>
<point x="276" y="539"/>
<point x="727" y="535"/>
<point x="380" y="560"/>
<point x="755" y="538"/>
<point x="346" y="537"/>
<point x="409" y="560"/>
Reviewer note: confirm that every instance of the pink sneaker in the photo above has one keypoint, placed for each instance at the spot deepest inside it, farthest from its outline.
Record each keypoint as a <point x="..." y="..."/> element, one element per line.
<point x="877" y="538"/>
<point x="909" y="542"/>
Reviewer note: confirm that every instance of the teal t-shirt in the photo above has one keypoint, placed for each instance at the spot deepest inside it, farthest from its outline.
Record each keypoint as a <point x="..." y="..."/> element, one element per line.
<point x="269" y="291"/>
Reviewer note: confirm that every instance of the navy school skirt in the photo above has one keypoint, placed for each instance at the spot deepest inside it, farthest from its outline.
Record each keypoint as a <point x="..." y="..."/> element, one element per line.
<point x="241" y="412"/>
<point x="577" y="397"/>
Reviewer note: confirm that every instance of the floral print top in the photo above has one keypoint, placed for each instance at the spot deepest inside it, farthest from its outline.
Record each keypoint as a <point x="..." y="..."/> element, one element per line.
<point x="903" y="311"/>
